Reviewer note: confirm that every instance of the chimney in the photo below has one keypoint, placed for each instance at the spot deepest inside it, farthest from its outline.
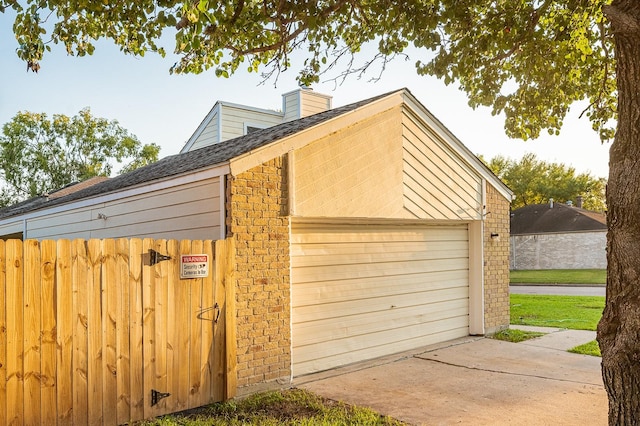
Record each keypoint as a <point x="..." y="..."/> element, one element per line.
<point x="550" y="203"/>
<point x="579" y="201"/>
<point x="303" y="102"/>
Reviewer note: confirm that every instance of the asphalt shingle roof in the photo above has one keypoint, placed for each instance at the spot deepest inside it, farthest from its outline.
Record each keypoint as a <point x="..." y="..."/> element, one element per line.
<point x="542" y="218"/>
<point x="205" y="157"/>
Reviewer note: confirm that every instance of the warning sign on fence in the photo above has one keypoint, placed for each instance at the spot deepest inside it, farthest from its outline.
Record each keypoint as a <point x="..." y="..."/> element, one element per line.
<point x="194" y="265"/>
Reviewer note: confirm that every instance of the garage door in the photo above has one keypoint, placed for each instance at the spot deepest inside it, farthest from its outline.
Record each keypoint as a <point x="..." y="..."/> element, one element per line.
<point x="364" y="291"/>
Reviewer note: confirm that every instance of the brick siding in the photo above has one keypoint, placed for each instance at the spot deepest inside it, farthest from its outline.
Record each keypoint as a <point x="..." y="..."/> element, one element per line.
<point x="257" y="218"/>
<point x="496" y="268"/>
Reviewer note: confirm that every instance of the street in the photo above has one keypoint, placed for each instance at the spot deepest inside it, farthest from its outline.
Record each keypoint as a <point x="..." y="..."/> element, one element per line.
<point x="566" y="290"/>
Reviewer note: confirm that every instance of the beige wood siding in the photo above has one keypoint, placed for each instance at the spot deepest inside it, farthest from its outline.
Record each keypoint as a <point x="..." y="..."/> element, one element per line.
<point x="356" y="172"/>
<point x="313" y="103"/>
<point x="234" y="119"/>
<point x="291" y="105"/>
<point x="364" y="291"/>
<point x="437" y="183"/>
<point x="209" y="135"/>
<point x="190" y="211"/>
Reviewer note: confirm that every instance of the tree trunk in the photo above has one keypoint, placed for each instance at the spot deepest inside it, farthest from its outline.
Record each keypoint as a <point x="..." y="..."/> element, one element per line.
<point x="619" y="328"/>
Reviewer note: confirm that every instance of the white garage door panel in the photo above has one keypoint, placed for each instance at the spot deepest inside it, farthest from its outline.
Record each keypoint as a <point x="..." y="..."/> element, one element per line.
<point x="310" y="261"/>
<point x="334" y="291"/>
<point x="318" y="357"/>
<point x="363" y="291"/>
<point x="313" y="252"/>
<point x="373" y="307"/>
<point x="355" y="325"/>
<point x="371" y="270"/>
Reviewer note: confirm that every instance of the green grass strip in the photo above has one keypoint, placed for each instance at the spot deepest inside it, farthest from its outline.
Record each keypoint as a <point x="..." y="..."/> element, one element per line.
<point x="289" y="407"/>
<point x="573" y="312"/>
<point x="591" y="348"/>
<point x="516" y="336"/>
<point x="559" y="276"/>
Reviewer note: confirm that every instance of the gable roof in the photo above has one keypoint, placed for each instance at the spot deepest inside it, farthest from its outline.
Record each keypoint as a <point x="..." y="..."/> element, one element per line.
<point x="542" y="218"/>
<point x="206" y="157"/>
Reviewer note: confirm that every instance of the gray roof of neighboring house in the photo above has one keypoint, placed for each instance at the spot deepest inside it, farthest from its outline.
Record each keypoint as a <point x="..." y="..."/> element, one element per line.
<point x="207" y="156"/>
<point x="542" y="218"/>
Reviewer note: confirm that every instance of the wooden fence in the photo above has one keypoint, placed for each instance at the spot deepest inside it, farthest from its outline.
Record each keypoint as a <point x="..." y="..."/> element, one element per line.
<point x="107" y="332"/>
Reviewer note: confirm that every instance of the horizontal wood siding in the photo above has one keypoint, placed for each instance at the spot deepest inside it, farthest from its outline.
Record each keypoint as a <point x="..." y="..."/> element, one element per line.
<point x="363" y="291"/>
<point x="313" y="103"/>
<point x="291" y="106"/>
<point x="234" y="119"/>
<point x="209" y="135"/>
<point x="11" y="228"/>
<point x="356" y="172"/>
<point x="186" y="212"/>
<point x="437" y="184"/>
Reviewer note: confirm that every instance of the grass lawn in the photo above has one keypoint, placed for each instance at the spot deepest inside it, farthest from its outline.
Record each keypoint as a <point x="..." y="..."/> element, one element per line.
<point x="589" y="348"/>
<point x="516" y="336"/>
<point x="559" y="276"/>
<point x="574" y="312"/>
<point x="289" y="407"/>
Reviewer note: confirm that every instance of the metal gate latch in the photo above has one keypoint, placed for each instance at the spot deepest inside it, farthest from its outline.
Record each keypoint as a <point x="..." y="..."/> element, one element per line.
<point x="157" y="396"/>
<point x="155" y="257"/>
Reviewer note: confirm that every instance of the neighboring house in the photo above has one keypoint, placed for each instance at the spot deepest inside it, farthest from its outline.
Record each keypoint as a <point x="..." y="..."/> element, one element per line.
<point x="361" y="231"/>
<point x="558" y="236"/>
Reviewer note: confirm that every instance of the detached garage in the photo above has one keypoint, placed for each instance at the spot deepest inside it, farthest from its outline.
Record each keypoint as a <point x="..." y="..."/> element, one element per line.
<point x="360" y="231"/>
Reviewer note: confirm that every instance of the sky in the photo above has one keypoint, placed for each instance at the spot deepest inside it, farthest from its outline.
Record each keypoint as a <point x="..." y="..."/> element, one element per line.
<point x="166" y="109"/>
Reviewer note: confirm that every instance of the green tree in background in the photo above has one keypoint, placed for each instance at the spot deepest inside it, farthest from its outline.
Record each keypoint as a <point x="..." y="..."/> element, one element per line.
<point x="534" y="181"/>
<point x="529" y="60"/>
<point x="39" y="155"/>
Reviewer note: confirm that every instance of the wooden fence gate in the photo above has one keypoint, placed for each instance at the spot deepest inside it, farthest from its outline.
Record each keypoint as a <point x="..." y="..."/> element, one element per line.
<point x="107" y="331"/>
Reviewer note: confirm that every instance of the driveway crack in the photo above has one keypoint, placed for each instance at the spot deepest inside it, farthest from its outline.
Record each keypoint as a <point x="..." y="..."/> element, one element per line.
<point x="489" y="370"/>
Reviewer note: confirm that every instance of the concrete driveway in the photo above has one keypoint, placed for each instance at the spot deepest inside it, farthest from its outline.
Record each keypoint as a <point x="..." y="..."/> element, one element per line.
<point x="477" y="381"/>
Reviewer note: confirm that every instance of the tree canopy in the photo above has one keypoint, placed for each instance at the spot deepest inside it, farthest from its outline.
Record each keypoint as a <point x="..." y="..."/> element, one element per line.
<point x="534" y="181"/>
<point x="39" y="154"/>
<point x="527" y="59"/>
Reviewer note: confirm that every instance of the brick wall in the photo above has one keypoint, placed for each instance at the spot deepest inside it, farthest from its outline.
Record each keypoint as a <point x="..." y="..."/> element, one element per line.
<point x="496" y="268"/>
<point x="570" y="250"/>
<point x="257" y="219"/>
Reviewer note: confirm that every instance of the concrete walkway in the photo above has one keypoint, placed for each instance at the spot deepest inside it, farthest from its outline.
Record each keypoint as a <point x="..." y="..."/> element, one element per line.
<point x="477" y="381"/>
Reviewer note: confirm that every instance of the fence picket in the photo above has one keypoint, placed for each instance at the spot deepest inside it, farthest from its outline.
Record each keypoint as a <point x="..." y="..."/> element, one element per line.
<point x="48" y="335"/>
<point x="173" y="327"/>
<point x="136" y="329"/>
<point x="15" y="321"/>
<point x="196" y="332"/>
<point x="207" y="318"/>
<point x="32" y="326"/>
<point x="80" y="333"/>
<point x="110" y="289"/>
<point x="123" y="352"/>
<point x="183" y="307"/>
<point x="64" y="331"/>
<point x="3" y="338"/>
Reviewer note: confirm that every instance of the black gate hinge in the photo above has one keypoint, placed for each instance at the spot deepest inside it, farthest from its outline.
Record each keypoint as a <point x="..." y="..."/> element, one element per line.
<point x="157" y="396"/>
<point x="155" y="257"/>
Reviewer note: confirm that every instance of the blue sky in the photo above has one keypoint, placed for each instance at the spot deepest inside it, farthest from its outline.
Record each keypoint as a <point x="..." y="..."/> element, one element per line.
<point x="166" y="109"/>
